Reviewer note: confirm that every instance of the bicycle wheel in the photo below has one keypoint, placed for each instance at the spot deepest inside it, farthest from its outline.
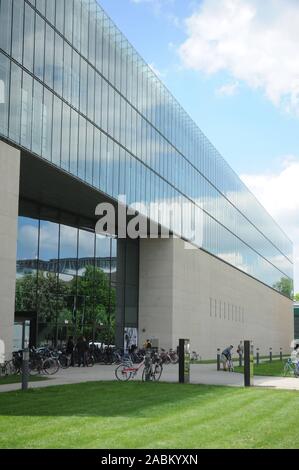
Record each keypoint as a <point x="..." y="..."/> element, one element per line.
<point x="122" y="373"/>
<point x="64" y="361"/>
<point x="287" y="369"/>
<point x="90" y="361"/>
<point x="157" y="371"/>
<point x="34" y="367"/>
<point x="10" y="368"/>
<point x="144" y="372"/>
<point x="50" y="366"/>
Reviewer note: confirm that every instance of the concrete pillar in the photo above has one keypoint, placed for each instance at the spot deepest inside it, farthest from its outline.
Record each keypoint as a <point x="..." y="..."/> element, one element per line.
<point x="9" y="203"/>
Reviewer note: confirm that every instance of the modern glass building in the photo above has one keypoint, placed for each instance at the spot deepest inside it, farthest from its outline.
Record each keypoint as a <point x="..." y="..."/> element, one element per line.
<point x="91" y="121"/>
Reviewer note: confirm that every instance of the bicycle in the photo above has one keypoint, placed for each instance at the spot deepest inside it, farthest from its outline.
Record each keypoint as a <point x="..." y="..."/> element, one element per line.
<point x="230" y="365"/>
<point x="290" y="368"/>
<point x="38" y="365"/>
<point x="127" y="371"/>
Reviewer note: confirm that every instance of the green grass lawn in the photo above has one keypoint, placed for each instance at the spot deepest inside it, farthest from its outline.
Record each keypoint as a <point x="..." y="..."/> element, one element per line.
<point x="274" y="368"/>
<point x="154" y="415"/>
<point x="13" y="379"/>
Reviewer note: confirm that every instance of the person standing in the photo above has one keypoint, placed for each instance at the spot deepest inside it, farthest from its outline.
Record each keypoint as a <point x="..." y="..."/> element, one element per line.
<point x="70" y="350"/>
<point x="81" y="350"/>
<point x="240" y="350"/>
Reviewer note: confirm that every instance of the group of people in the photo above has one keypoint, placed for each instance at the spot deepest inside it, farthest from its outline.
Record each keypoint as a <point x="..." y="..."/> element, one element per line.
<point x="80" y="349"/>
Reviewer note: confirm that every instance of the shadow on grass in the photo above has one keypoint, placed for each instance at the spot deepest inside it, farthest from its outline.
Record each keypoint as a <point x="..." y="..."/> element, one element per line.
<point x="107" y="399"/>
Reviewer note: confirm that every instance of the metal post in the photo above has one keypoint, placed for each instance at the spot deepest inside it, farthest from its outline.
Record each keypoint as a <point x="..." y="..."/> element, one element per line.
<point x="218" y="359"/>
<point x="25" y="369"/>
<point x="248" y="364"/>
<point x="184" y="360"/>
<point x="270" y="355"/>
<point x="257" y="356"/>
<point x="280" y="354"/>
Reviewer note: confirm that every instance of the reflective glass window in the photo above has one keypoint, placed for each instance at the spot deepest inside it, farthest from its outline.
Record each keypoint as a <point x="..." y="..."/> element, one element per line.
<point x="89" y="153"/>
<point x="58" y="64"/>
<point x="17" y="30"/>
<point x="68" y="19"/>
<point x="39" y="54"/>
<point x="5" y="25"/>
<point x="28" y="46"/>
<point x="49" y="56"/>
<point x="37" y="117"/>
<point x="56" y="137"/>
<point x="4" y="93"/>
<point x="65" y="144"/>
<point x="15" y="103"/>
<point x="26" y="113"/>
<point x="82" y="148"/>
<point x="47" y="124"/>
<point x="27" y="263"/>
<point x="74" y="142"/>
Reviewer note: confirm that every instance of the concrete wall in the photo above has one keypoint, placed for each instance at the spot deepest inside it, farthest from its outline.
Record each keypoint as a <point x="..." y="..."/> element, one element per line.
<point x="9" y="201"/>
<point x="188" y="293"/>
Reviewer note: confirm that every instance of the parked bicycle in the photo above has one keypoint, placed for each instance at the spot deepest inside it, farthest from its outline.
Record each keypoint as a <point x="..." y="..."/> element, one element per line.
<point x="290" y="368"/>
<point x="127" y="370"/>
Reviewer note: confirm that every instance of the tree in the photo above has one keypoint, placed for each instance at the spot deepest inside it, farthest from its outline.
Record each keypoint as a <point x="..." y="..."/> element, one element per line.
<point x="296" y="297"/>
<point x="44" y="293"/>
<point x="96" y="303"/>
<point x="285" y="286"/>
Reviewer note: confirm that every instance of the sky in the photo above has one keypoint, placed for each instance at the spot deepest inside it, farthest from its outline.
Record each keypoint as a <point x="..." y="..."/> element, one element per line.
<point x="234" y="66"/>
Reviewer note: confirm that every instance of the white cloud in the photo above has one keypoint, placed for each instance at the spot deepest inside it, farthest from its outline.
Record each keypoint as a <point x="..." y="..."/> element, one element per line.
<point x="229" y="89"/>
<point x="280" y="196"/>
<point x="254" y="41"/>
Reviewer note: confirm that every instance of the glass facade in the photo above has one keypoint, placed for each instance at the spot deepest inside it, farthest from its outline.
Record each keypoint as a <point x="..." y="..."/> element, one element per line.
<point x="75" y="92"/>
<point x="72" y="278"/>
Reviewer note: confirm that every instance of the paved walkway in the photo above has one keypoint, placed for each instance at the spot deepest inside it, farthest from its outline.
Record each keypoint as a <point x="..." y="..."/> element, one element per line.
<point x="200" y="374"/>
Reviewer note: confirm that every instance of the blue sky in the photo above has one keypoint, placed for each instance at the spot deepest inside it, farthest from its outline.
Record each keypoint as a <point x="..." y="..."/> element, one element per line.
<point x="232" y="65"/>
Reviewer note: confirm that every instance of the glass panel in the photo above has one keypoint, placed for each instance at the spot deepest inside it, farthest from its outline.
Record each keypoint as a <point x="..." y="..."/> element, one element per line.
<point x="15" y="103"/>
<point x="56" y="140"/>
<point x="27" y="262"/>
<point x="82" y="148"/>
<point x="39" y="47"/>
<point x="5" y="24"/>
<point x="65" y="146"/>
<point x="37" y="118"/>
<point x="4" y="94"/>
<point x="17" y="30"/>
<point x="47" y="124"/>
<point x="26" y="114"/>
<point x="28" y="38"/>
<point x="89" y="153"/>
<point x="74" y="142"/>
<point x="48" y="288"/>
<point x="58" y="66"/>
<point x="49" y="56"/>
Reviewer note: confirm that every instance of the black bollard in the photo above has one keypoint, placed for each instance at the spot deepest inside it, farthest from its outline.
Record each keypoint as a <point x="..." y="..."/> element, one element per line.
<point x="218" y="359"/>
<point x="248" y="364"/>
<point x="270" y="355"/>
<point x="25" y="369"/>
<point x="280" y="354"/>
<point x="257" y="356"/>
